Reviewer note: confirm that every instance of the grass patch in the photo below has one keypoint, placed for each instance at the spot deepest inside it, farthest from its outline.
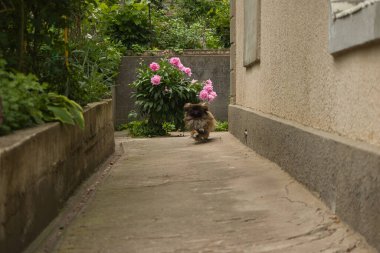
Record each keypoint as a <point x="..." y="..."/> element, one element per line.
<point x="221" y="126"/>
<point x="141" y="128"/>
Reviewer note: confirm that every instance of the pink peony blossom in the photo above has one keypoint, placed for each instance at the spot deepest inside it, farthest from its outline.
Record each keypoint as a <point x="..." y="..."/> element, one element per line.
<point x="155" y="80"/>
<point x="181" y="67"/>
<point x="175" y="61"/>
<point x="208" y="82"/>
<point x="154" y="66"/>
<point x="213" y="93"/>
<point x="203" y="95"/>
<point x="207" y="94"/>
<point x="187" y="71"/>
<point x="208" y="88"/>
<point x="210" y="98"/>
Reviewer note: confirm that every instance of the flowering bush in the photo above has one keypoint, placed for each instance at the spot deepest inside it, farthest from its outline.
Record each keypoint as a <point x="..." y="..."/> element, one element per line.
<point x="163" y="88"/>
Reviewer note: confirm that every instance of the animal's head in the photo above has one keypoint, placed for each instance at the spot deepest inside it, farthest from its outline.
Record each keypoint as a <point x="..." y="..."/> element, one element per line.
<point x="195" y="110"/>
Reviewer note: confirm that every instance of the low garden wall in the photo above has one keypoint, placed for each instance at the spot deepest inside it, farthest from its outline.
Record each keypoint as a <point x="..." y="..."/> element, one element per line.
<point x="40" y="168"/>
<point x="205" y="64"/>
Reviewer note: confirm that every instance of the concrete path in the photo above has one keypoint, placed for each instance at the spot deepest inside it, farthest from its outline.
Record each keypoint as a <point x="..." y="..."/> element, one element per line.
<point x="172" y="195"/>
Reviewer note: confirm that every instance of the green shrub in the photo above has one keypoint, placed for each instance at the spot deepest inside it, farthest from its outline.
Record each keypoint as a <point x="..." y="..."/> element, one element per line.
<point x="175" y="33"/>
<point x="180" y="24"/>
<point x="168" y="127"/>
<point x="21" y="101"/>
<point x="221" y="126"/>
<point x="144" y="129"/>
<point x="129" y="24"/>
<point x="25" y="103"/>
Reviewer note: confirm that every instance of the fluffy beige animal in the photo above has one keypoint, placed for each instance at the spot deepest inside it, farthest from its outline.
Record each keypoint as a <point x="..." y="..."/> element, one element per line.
<point x="199" y="120"/>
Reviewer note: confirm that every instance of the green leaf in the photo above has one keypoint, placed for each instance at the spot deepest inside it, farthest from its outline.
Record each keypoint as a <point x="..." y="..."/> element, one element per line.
<point x="78" y="117"/>
<point x="61" y="114"/>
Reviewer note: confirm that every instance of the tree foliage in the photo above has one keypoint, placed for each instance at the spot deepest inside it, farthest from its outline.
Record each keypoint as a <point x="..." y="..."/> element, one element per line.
<point x="31" y="26"/>
<point x="54" y="50"/>
<point x="130" y="24"/>
<point x="176" y="24"/>
<point x="63" y="43"/>
<point x="214" y="13"/>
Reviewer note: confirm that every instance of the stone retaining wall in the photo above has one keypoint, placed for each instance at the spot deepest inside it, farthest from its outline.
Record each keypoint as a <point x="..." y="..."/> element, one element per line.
<point x="41" y="167"/>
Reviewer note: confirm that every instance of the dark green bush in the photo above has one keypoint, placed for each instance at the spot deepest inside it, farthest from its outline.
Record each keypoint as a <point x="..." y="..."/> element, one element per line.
<point x="180" y="24"/>
<point x="21" y="101"/>
<point x="129" y="24"/>
<point x="144" y="129"/>
<point x="25" y="103"/>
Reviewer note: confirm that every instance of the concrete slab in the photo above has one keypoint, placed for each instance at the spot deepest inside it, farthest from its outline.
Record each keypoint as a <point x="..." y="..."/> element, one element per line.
<point x="172" y="195"/>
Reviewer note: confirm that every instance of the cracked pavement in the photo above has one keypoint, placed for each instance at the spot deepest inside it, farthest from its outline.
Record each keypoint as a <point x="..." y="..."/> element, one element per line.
<point x="173" y="195"/>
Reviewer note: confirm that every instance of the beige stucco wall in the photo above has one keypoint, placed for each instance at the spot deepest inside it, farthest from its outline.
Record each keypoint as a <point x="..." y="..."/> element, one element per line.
<point x="297" y="79"/>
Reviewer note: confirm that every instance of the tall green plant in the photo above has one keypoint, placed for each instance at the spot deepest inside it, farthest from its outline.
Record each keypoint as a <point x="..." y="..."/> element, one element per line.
<point x="63" y="43"/>
<point x="93" y="60"/>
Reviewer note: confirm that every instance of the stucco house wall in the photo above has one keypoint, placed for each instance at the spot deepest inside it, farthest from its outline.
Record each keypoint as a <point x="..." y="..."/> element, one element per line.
<point x="299" y="80"/>
<point x="313" y="112"/>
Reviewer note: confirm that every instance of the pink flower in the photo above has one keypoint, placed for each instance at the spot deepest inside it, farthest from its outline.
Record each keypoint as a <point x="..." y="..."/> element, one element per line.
<point x="154" y="66"/>
<point x="203" y="95"/>
<point x="208" y="82"/>
<point x="187" y="71"/>
<point x="181" y="67"/>
<point x="213" y="93"/>
<point x="175" y="61"/>
<point x="155" y="80"/>
<point x="210" y="98"/>
<point x="207" y="94"/>
<point x="208" y="88"/>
